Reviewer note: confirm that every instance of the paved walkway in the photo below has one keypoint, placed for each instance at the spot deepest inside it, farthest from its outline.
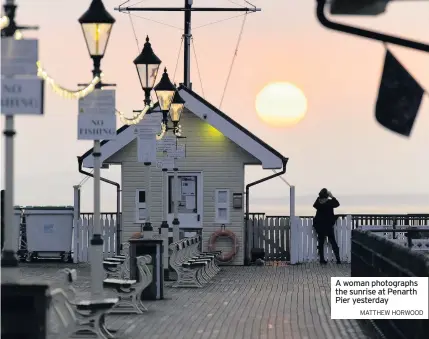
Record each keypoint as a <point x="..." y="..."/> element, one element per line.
<point x="241" y="303"/>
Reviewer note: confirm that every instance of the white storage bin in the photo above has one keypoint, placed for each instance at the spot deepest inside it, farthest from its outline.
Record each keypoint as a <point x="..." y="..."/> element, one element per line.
<point x="49" y="229"/>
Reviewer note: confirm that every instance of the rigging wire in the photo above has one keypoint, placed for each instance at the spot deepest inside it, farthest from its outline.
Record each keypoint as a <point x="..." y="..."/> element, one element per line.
<point x="137" y="3"/>
<point x="198" y="67"/>
<point x="177" y="61"/>
<point x="221" y="20"/>
<point x="134" y="32"/>
<point x="157" y="22"/>
<point x="123" y="3"/>
<point x="193" y="28"/>
<point x="233" y="59"/>
<point x="85" y="179"/>
<point x="235" y="3"/>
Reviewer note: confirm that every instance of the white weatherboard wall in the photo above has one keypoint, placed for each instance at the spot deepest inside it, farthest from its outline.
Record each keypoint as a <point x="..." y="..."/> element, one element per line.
<point x="219" y="159"/>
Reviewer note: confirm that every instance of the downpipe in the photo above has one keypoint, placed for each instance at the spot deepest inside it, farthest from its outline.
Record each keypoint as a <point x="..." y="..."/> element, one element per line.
<point x="283" y="171"/>
<point x="118" y="203"/>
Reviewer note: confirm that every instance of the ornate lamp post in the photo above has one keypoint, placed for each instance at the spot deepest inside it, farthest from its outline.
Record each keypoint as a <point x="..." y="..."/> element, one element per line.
<point x="147" y="65"/>
<point x="165" y="92"/>
<point x="176" y="109"/>
<point x="96" y="25"/>
<point x="170" y="105"/>
<point x="9" y="258"/>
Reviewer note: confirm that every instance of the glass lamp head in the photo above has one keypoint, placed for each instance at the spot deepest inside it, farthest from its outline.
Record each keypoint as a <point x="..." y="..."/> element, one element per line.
<point x="96" y="25"/>
<point x="147" y="65"/>
<point x="165" y="92"/>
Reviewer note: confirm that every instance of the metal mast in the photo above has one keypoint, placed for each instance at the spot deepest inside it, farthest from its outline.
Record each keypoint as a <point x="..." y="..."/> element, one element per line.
<point x="187" y="35"/>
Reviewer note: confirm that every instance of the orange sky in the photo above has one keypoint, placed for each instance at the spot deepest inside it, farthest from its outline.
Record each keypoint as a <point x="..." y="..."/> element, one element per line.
<point x="338" y="144"/>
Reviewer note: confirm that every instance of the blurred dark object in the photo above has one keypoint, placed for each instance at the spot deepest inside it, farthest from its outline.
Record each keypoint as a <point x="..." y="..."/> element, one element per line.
<point x="416" y="235"/>
<point x="2" y="218"/>
<point x="358" y="7"/>
<point x="257" y="253"/>
<point x="399" y="97"/>
<point x="259" y="262"/>
<point x="23" y="305"/>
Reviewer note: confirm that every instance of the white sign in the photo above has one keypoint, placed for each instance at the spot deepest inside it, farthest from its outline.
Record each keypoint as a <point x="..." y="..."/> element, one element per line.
<point x="167" y="163"/>
<point x="188" y="186"/>
<point x="146" y="148"/>
<point x="97" y="119"/>
<point x="98" y="102"/>
<point x="96" y="126"/>
<point x="379" y="298"/>
<point x="166" y="144"/>
<point x="21" y="96"/>
<point x="179" y="153"/>
<point x="18" y="57"/>
<point x="150" y="125"/>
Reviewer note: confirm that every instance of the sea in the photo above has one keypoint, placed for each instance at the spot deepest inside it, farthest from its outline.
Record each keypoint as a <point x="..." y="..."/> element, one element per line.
<point x="349" y="204"/>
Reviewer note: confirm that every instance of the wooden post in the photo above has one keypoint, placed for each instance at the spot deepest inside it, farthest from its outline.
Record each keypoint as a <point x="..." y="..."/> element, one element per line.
<point x="76" y="223"/>
<point x="295" y="239"/>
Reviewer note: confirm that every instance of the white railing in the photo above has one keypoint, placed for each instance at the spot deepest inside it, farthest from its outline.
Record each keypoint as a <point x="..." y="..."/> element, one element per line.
<point x="83" y="232"/>
<point x="303" y="244"/>
<point x="304" y="240"/>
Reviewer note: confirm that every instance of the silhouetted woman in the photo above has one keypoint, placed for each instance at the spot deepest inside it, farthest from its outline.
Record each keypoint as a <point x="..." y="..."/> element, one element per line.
<point x="324" y="222"/>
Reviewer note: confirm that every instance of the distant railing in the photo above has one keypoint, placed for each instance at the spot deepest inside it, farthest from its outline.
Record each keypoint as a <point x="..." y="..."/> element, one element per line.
<point x="363" y="219"/>
<point x="273" y="233"/>
<point x="357" y="219"/>
<point x="375" y="256"/>
<point x="415" y="237"/>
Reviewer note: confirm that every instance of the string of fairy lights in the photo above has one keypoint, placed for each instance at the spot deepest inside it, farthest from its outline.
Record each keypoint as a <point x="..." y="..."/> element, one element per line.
<point x="81" y="93"/>
<point x="65" y="93"/>
<point x="4" y="22"/>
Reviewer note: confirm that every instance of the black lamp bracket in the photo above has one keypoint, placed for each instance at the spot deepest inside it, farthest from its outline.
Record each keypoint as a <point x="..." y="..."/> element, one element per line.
<point x="365" y="33"/>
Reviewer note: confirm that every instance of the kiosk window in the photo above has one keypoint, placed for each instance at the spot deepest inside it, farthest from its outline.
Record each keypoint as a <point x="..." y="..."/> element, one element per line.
<point x="140" y="206"/>
<point x="187" y="197"/>
<point x="222" y="205"/>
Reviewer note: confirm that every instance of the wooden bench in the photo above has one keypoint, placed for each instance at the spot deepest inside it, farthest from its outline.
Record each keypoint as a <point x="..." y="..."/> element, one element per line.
<point x="118" y="266"/>
<point x="193" y="268"/>
<point x="129" y="291"/>
<point x="79" y="317"/>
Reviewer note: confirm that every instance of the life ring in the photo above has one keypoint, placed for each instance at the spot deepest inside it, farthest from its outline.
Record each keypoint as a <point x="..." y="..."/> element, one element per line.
<point x="224" y="257"/>
<point x="137" y="235"/>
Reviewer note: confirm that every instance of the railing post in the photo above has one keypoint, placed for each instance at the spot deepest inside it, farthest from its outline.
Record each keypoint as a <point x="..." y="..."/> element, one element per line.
<point x="349" y="228"/>
<point x="394" y="227"/>
<point x="249" y="229"/>
<point x="294" y="240"/>
<point x="292" y="201"/>
<point x="76" y="223"/>
<point x="163" y="231"/>
<point x="409" y="240"/>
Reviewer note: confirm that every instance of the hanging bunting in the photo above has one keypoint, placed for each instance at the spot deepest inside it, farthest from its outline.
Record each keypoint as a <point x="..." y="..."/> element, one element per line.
<point x="399" y="97"/>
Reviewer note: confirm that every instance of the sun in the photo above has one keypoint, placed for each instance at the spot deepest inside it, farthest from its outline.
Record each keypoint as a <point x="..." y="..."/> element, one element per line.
<point x="281" y="104"/>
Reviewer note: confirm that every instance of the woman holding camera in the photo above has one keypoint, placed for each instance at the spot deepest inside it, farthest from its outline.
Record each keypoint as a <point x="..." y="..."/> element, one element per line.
<point x="324" y="222"/>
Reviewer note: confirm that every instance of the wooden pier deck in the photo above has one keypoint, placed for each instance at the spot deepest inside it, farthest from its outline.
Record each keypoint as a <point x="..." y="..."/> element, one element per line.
<point x="290" y="302"/>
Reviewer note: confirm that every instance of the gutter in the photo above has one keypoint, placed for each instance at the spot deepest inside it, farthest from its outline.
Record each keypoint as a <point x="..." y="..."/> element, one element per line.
<point x="118" y="203"/>
<point x="283" y="171"/>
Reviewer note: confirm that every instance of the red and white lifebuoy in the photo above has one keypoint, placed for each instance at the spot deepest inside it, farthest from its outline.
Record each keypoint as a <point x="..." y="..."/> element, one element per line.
<point x="228" y="256"/>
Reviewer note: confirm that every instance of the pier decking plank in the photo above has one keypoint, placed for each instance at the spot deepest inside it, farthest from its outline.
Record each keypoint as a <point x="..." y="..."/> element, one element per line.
<point x="240" y="303"/>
